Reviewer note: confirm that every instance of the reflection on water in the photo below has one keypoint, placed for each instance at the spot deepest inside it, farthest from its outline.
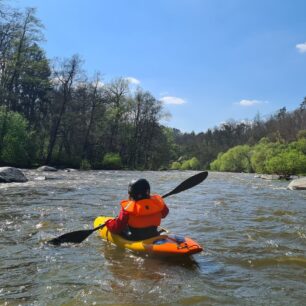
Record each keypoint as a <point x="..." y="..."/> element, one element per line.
<point x="253" y="232"/>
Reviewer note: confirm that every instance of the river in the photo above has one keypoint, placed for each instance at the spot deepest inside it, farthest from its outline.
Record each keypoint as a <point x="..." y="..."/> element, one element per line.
<point x="253" y="233"/>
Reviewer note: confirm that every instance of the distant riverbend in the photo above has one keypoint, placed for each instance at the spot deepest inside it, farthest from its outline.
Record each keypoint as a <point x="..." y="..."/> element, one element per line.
<point x="253" y="232"/>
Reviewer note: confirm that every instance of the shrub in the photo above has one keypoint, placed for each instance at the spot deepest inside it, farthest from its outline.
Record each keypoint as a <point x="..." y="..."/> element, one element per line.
<point x="18" y="146"/>
<point x="190" y="164"/>
<point x="288" y="162"/>
<point x="262" y="152"/>
<point x="175" y="166"/>
<point x="186" y="165"/>
<point x="194" y="163"/>
<point x="112" y="161"/>
<point x="236" y="159"/>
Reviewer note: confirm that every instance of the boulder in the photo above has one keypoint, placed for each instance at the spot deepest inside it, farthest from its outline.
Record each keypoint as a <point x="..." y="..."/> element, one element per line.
<point x="70" y="170"/>
<point x="46" y="168"/>
<point x="10" y="175"/>
<point x="270" y="177"/>
<point x="40" y="178"/>
<point x="298" y="184"/>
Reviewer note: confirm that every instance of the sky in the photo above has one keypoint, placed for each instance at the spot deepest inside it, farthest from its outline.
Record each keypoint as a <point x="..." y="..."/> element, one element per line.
<point x="208" y="61"/>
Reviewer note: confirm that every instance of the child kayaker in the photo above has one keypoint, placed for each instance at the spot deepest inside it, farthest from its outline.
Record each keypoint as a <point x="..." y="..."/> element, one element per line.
<point x="141" y="214"/>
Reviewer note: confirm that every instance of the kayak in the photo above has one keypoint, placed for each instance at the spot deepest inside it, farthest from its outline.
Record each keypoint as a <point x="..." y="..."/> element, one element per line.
<point x="164" y="244"/>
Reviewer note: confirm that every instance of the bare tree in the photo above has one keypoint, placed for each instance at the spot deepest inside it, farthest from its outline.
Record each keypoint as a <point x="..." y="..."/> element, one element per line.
<point x="64" y="78"/>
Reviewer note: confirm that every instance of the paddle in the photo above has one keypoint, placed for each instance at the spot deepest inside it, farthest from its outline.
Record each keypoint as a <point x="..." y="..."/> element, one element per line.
<point x="79" y="236"/>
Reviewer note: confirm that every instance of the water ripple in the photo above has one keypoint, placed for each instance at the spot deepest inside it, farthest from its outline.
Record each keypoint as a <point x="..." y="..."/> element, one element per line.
<point x="253" y="232"/>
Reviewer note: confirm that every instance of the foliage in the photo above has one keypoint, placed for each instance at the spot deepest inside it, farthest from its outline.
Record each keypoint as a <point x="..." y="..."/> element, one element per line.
<point x="17" y="145"/>
<point x="112" y="161"/>
<point x="286" y="163"/>
<point x="299" y="145"/>
<point x="262" y="152"/>
<point x="265" y="157"/>
<point x="236" y="159"/>
<point x="301" y="134"/>
<point x="175" y="165"/>
<point x="74" y="119"/>
<point x="190" y="164"/>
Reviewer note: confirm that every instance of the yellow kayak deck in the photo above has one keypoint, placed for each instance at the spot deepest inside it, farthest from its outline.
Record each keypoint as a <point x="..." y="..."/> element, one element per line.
<point x="163" y="244"/>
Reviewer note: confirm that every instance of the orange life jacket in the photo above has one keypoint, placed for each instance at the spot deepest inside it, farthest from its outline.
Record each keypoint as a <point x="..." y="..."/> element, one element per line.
<point x="144" y="213"/>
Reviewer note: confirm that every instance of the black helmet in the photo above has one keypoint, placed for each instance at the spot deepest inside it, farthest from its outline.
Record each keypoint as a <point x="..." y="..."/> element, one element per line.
<point x="139" y="189"/>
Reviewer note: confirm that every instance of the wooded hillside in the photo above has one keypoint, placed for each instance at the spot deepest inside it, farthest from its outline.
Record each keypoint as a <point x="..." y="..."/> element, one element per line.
<point x="52" y="112"/>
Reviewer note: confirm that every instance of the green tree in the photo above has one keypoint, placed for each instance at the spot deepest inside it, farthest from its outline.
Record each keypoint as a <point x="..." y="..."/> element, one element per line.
<point x="236" y="159"/>
<point x="112" y="161"/>
<point x="18" y="146"/>
<point x="262" y="152"/>
<point x="175" y="166"/>
<point x="287" y="162"/>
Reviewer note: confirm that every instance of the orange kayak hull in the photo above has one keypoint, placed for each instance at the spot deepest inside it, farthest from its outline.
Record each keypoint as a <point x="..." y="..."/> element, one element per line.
<point x="165" y="244"/>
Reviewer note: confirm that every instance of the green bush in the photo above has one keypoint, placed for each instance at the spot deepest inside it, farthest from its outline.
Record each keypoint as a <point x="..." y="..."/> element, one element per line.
<point x="216" y="164"/>
<point x="236" y="159"/>
<point x="175" y="166"/>
<point x="288" y="162"/>
<point x="262" y="152"/>
<point x="190" y="164"/>
<point x="194" y="163"/>
<point x="186" y="165"/>
<point x="301" y="134"/>
<point x="112" y="161"/>
<point x="265" y="157"/>
<point x="299" y="145"/>
<point x="17" y="142"/>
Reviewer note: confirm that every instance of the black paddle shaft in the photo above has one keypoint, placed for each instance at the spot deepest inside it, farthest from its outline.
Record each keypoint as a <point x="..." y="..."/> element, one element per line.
<point x="189" y="183"/>
<point x="74" y="237"/>
<point x="79" y="236"/>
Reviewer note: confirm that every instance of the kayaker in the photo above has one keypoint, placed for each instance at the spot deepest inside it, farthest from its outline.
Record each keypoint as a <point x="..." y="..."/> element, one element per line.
<point x="141" y="214"/>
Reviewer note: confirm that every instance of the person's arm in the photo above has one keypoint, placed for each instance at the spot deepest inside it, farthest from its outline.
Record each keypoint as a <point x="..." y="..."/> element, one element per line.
<point x="165" y="211"/>
<point x="118" y="224"/>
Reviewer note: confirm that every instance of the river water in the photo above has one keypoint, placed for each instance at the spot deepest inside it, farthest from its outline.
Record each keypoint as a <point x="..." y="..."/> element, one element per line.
<point x="253" y="232"/>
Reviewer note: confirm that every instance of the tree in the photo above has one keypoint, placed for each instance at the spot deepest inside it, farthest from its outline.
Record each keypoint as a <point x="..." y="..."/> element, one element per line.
<point x="64" y="77"/>
<point x="236" y="159"/>
<point x="116" y="96"/>
<point x="287" y="162"/>
<point x="17" y="148"/>
<point x="27" y="31"/>
<point x="112" y="161"/>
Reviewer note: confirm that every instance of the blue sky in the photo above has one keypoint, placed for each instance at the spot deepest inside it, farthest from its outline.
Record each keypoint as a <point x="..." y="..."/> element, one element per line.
<point x="209" y="60"/>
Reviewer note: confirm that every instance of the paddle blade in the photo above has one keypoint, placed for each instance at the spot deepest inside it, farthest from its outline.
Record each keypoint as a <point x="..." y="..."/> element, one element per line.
<point x="189" y="183"/>
<point x="74" y="237"/>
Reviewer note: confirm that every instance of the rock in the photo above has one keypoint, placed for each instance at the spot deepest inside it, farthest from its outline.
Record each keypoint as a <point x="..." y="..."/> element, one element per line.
<point x="270" y="177"/>
<point x="70" y="170"/>
<point x="298" y="184"/>
<point x="10" y="174"/>
<point x="39" y="178"/>
<point x="46" y="168"/>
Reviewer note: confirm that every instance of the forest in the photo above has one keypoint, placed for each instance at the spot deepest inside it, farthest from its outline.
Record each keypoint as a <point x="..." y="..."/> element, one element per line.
<point x="53" y="113"/>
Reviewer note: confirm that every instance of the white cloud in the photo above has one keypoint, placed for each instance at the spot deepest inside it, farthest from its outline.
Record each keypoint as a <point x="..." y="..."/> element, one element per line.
<point x="132" y="80"/>
<point x="57" y="80"/>
<point x="301" y="47"/>
<point x="172" y="100"/>
<point x="246" y="102"/>
<point x="99" y="85"/>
